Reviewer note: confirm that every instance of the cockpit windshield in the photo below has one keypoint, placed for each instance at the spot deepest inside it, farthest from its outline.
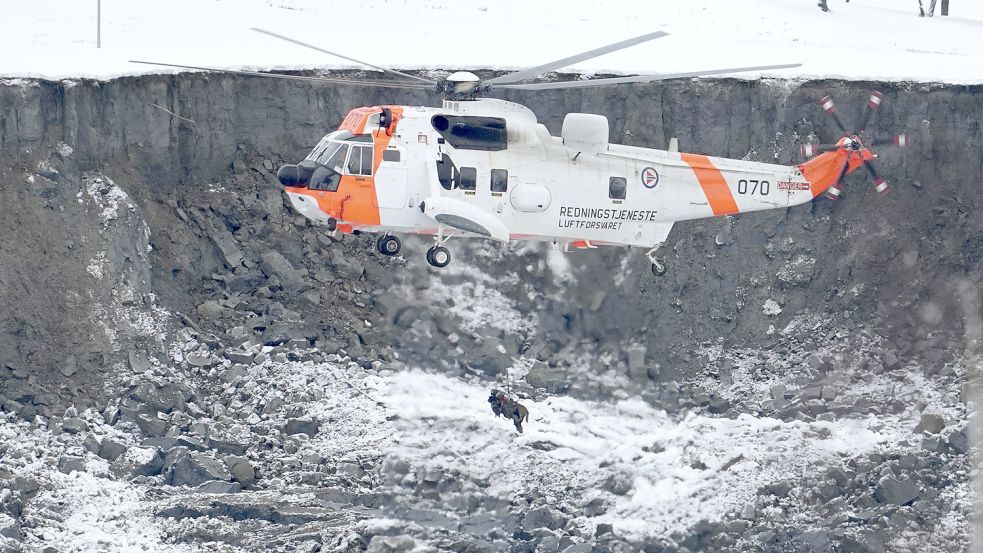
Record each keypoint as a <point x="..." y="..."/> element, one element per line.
<point x="331" y="154"/>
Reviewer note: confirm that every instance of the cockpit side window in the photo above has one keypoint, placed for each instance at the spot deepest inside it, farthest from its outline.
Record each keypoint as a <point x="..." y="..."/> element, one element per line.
<point x="337" y="160"/>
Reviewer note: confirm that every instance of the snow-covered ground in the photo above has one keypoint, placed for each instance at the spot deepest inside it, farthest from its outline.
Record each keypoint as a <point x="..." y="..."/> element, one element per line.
<point x="862" y="39"/>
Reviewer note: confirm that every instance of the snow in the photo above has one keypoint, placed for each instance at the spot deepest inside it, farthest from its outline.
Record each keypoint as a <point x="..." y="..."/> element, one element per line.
<point x="862" y="39"/>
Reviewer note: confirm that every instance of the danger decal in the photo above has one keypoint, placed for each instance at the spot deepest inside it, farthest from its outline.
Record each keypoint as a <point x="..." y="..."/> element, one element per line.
<point x="789" y="185"/>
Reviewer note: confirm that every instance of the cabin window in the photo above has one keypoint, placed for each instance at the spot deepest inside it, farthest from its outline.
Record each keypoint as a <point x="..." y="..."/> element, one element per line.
<point x="468" y="178"/>
<point x="468" y="132"/>
<point x="366" y="161"/>
<point x="446" y="171"/>
<point x="360" y="161"/>
<point x="617" y="188"/>
<point x="390" y="155"/>
<point x="354" y="161"/>
<point x="499" y="180"/>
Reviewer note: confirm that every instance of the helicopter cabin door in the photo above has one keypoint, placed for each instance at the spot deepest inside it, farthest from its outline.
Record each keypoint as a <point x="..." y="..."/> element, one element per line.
<point x="390" y="181"/>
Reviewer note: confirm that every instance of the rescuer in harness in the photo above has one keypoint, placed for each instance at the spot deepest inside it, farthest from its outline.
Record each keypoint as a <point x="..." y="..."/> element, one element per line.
<point x="502" y="404"/>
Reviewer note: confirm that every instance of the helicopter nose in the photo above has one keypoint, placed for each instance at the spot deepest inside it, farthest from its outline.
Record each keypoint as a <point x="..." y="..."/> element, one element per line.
<point x="288" y="175"/>
<point x="298" y="176"/>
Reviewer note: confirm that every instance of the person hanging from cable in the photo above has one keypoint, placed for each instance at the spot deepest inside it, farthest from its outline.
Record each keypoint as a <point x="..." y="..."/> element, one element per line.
<point x="502" y="404"/>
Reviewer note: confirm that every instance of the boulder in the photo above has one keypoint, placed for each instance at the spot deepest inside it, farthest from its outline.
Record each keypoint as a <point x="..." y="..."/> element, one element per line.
<point x="70" y="366"/>
<point x="892" y="491"/>
<point x="959" y="441"/>
<point x="192" y="468"/>
<point x="274" y="264"/>
<point x="71" y="463"/>
<point x="10" y="529"/>
<point x="74" y="426"/>
<point x="139" y="362"/>
<point x="391" y="544"/>
<point x="301" y="426"/>
<point x="931" y="423"/>
<point x="241" y="469"/>
<point x="553" y="379"/>
<point x="138" y="461"/>
<point x="218" y="486"/>
<point x="542" y="517"/>
<point x="110" y="449"/>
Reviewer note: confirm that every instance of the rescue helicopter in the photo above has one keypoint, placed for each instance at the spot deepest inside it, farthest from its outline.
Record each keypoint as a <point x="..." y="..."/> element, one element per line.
<point x="484" y="167"/>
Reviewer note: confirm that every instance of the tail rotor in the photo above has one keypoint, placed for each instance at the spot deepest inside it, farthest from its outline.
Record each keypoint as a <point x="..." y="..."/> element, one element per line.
<point x="854" y="145"/>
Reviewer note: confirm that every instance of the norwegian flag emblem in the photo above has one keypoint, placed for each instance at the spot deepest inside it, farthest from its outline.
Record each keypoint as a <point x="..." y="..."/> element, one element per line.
<point x="650" y="178"/>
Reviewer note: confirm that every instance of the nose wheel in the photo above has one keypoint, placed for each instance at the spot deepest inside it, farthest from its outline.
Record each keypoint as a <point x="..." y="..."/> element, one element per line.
<point x="388" y="245"/>
<point x="438" y="256"/>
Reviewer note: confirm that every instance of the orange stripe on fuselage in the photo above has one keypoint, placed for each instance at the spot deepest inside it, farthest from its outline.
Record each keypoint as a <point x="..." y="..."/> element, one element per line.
<point x="713" y="183"/>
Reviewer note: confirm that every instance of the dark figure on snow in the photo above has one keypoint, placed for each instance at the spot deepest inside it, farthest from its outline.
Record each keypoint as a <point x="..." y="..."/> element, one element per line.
<point x="502" y="404"/>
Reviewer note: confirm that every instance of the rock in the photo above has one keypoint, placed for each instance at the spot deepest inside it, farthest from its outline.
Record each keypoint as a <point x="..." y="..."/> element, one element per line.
<point x="218" y="486"/>
<point x="139" y="362"/>
<point x="778" y="392"/>
<point x="74" y="426"/>
<point x="210" y="310"/>
<point x="25" y="485"/>
<point x="241" y="357"/>
<point x="110" y="449"/>
<point x="227" y="246"/>
<point x="70" y="366"/>
<point x="391" y="544"/>
<point x="797" y="272"/>
<point x="274" y="264"/>
<point x="245" y="282"/>
<point x="345" y="267"/>
<point x="69" y="463"/>
<point x="139" y="461"/>
<point x="931" y="423"/>
<point x="828" y="393"/>
<point x="604" y="528"/>
<point x="890" y="360"/>
<point x="10" y="529"/>
<point x="579" y="548"/>
<point x="542" y="517"/>
<point x="151" y="426"/>
<point x="618" y="484"/>
<point x="490" y="357"/>
<point x="301" y="426"/>
<point x="200" y="360"/>
<point x="91" y="444"/>
<point x="896" y="492"/>
<point x="241" y="469"/>
<point x="959" y="441"/>
<point x="636" y="360"/>
<point x="779" y="489"/>
<point x="553" y="379"/>
<point x="192" y="468"/>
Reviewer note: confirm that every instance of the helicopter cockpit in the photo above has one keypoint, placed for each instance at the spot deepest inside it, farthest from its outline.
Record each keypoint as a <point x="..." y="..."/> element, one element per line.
<point x="338" y="153"/>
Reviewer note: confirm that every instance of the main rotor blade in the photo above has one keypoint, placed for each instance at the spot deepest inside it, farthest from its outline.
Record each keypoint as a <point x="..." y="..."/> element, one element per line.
<point x="547" y="67"/>
<point x="420" y="86"/>
<point x="641" y="78"/>
<point x="337" y="55"/>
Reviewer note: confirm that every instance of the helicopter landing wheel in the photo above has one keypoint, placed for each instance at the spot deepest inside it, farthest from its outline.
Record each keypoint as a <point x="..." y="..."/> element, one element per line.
<point x="659" y="268"/>
<point x="388" y="245"/>
<point x="438" y="256"/>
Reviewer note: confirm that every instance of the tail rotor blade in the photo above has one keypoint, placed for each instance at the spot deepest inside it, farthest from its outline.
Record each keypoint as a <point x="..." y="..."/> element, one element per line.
<point x="809" y="150"/>
<point x="899" y="140"/>
<point x="835" y="192"/>
<point x="873" y="103"/>
<point x="880" y="184"/>
<point x="830" y="108"/>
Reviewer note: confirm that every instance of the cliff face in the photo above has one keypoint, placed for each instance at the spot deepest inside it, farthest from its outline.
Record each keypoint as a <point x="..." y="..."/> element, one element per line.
<point x="893" y="263"/>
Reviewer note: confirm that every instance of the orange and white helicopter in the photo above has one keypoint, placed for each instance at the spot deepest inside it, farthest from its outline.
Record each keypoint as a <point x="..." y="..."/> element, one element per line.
<point x="484" y="167"/>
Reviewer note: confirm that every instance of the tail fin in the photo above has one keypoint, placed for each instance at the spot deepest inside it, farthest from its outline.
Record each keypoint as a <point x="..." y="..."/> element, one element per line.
<point x="825" y="170"/>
